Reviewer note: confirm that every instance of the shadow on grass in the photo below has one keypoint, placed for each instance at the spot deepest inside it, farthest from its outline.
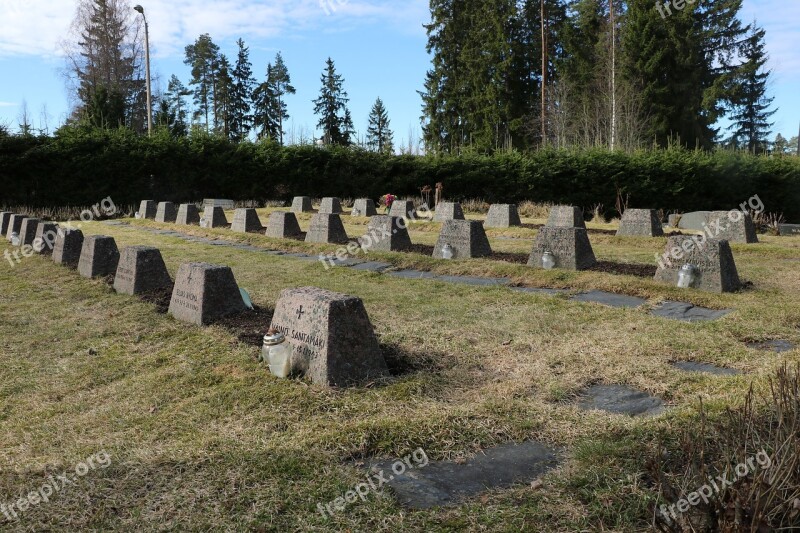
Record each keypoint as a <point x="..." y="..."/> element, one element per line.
<point x="402" y="361"/>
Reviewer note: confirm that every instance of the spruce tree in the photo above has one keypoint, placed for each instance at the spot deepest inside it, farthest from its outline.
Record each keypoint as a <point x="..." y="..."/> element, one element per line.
<point x="379" y="133"/>
<point x="241" y="94"/>
<point x="223" y="98"/>
<point x="271" y="110"/>
<point x="202" y="56"/>
<point x="176" y="105"/>
<point x="331" y="107"/>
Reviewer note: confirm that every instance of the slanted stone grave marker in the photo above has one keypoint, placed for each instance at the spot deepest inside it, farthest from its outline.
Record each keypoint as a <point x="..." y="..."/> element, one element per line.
<point x="27" y="231"/>
<point x="141" y="269"/>
<point x="570" y="247"/>
<point x="69" y="243"/>
<point x="148" y="209"/>
<point x="5" y="218"/>
<point x="283" y="225"/>
<point x="14" y="225"/>
<point x="188" y="215"/>
<point x="467" y="238"/>
<point x="695" y="221"/>
<point x="204" y="293"/>
<point x="732" y="226"/>
<point x="326" y="228"/>
<point x="448" y="211"/>
<point x="99" y="256"/>
<point x="45" y="239"/>
<point x="386" y="234"/>
<point x="331" y="337"/>
<point x="166" y="212"/>
<point x="640" y="223"/>
<point x="502" y="216"/>
<point x="715" y="269"/>
<point x="330" y="206"/>
<point x="246" y="220"/>
<point x="403" y="208"/>
<point x="301" y="204"/>
<point x="364" y="207"/>
<point x="566" y="216"/>
<point x="214" y="217"/>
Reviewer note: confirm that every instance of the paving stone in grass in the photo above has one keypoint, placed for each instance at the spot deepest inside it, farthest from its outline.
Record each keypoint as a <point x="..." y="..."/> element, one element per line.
<point x="687" y="312"/>
<point x="412" y="274"/>
<point x="620" y="399"/>
<point x="372" y="266"/>
<point x="778" y="346"/>
<point x="537" y="290"/>
<point x="471" y="280"/>
<point x="609" y="298"/>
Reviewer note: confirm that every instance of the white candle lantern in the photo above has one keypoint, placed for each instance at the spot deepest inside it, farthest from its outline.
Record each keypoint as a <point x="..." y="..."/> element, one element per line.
<point x="14" y="238"/>
<point x="687" y="276"/>
<point x="548" y="260"/>
<point x="277" y="354"/>
<point x="447" y="251"/>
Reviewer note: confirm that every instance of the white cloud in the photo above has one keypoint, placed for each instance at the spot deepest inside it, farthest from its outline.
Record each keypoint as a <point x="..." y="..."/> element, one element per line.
<point x="8" y="104"/>
<point x="36" y="27"/>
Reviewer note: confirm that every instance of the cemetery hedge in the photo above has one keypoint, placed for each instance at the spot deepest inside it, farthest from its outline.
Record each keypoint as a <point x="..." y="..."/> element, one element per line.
<point x="80" y="166"/>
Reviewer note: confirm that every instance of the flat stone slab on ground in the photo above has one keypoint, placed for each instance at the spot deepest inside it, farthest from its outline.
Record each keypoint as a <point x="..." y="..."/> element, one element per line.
<point x="204" y="293"/>
<point x="364" y="207"/>
<point x="141" y="269"/>
<point x="570" y="246"/>
<point x="565" y="216"/>
<point x="467" y="238"/>
<point x="166" y="212"/>
<point x="214" y="217"/>
<point x="609" y="298"/>
<point x="330" y="206"/>
<point x="246" y="220"/>
<point x="448" y="211"/>
<point x="282" y="225"/>
<point x="712" y="259"/>
<point x="331" y="336"/>
<point x="99" y="256"/>
<point x="302" y="204"/>
<point x="539" y="290"/>
<point x="640" y="223"/>
<point x="147" y="209"/>
<point x="502" y="216"/>
<point x="786" y="230"/>
<point x="67" y="250"/>
<point x="27" y="231"/>
<point x="14" y="225"/>
<point x="476" y="281"/>
<point x="620" y="399"/>
<point x="732" y="226"/>
<point x="386" y="234"/>
<point x="327" y="228"/>
<point x="372" y="266"/>
<point x="45" y="239"/>
<point x="444" y="483"/>
<point x="706" y="368"/>
<point x="412" y="274"/>
<point x="188" y="215"/>
<point x="776" y="345"/>
<point x="687" y="312"/>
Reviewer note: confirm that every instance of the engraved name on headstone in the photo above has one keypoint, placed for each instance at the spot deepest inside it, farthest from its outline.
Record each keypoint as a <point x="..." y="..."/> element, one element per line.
<point x="715" y="268"/>
<point x="570" y="246"/>
<point x="204" y="293"/>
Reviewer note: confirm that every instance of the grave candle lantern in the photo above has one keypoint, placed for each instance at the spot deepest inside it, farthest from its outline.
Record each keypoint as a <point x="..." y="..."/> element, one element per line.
<point x="356" y="212"/>
<point x="548" y="260"/>
<point x="203" y="223"/>
<point x="14" y="238"/>
<point x="447" y="251"/>
<point x="277" y="354"/>
<point x="687" y="276"/>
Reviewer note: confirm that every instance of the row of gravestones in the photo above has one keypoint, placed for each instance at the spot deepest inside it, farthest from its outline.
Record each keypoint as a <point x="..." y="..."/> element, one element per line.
<point x="330" y="335"/>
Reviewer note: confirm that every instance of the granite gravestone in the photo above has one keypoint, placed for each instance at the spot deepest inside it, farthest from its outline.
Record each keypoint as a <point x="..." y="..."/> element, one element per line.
<point x="141" y="269"/>
<point x="570" y="246"/>
<point x="326" y="228"/>
<point x="732" y="226"/>
<point x="45" y="239"/>
<point x="166" y="212"/>
<point x="69" y="243"/>
<point x="786" y="230"/>
<point x="215" y="202"/>
<point x="188" y="215"/>
<point x="330" y="206"/>
<point x="364" y="207"/>
<point x="27" y="231"/>
<point x="283" y="225"/>
<point x="712" y="258"/>
<point x="467" y="238"/>
<point x="246" y="220"/>
<point x="99" y="256"/>
<point x="640" y="223"/>
<point x="301" y="204"/>
<point x="694" y="221"/>
<point x="402" y="208"/>
<point x="448" y="211"/>
<point x="214" y="217"/>
<point x="5" y="218"/>
<point x="147" y="209"/>
<point x="14" y="225"/>
<point x="502" y="216"/>
<point x="386" y="234"/>
<point x="565" y="216"/>
<point x="331" y="337"/>
<point x="205" y="293"/>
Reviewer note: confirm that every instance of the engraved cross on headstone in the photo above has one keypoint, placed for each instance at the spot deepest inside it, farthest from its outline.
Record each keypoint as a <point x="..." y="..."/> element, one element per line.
<point x="300" y="312"/>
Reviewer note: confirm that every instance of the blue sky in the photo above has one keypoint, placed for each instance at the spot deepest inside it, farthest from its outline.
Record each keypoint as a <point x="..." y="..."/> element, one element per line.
<point x="378" y="46"/>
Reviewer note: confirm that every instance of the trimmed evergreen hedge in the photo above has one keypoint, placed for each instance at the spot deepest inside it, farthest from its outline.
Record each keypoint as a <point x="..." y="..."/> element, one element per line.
<point x="81" y="167"/>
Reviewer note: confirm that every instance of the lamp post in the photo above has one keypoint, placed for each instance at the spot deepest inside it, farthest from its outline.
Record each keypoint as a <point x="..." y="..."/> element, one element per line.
<point x="140" y="9"/>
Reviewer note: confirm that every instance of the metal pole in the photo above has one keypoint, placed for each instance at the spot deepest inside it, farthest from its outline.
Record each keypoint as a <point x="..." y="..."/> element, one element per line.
<point x="140" y="9"/>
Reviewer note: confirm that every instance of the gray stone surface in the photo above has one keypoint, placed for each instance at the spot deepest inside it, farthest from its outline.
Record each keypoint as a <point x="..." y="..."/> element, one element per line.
<point x="148" y="209"/>
<point x="412" y="274"/>
<point x="691" y="366"/>
<point x="69" y="243"/>
<point x="27" y="231"/>
<point x="14" y="225"/>
<point x="712" y="259"/>
<point x="245" y="220"/>
<point x="736" y="226"/>
<point x="45" y="240"/>
<point x="566" y="216"/>
<point x="215" y="217"/>
<point x="331" y="336"/>
<point x="776" y="345"/>
<point x="330" y="206"/>
<point x="687" y="312"/>
<point x="620" y="399"/>
<point x="216" y="202"/>
<point x="166" y="212"/>
<point x="445" y="483"/>
<point x="673" y="220"/>
<point x="466" y="237"/>
<point x="283" y="225"/>
<point x="448" y="211"/>
<point x="571" y="248"/>
<point x="301" y="204"/>
<point x="204" y="293"/>
<point x="188" y="215"/>
<point x="694" y="221"/>
<point x="538" y="290"/>
<point x="365" y="207"/>
<point x="403" y="208"/>
<point x="326" y="228"/>
<point x="386" y="234"/>
<point x="476" y="281"/>
<point x="502" y="216"/>
<point x="141" y="269"/>
<point x="609" y="298"/>
<point x="5" y="218"/>
<point x="786" y="230"/>
<point x="640" y="223"/>
<point x="99" y="256"/>
<point x="372" y="266"/>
